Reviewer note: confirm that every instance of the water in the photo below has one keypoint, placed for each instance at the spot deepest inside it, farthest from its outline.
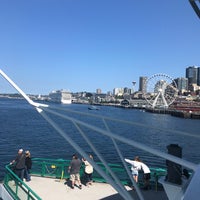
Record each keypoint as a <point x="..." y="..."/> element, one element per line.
<point x="23" y="127"/>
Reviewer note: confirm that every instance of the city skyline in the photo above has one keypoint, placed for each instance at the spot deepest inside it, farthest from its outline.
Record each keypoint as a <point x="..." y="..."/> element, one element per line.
<point x="183" y="84"/>
<point x="82" y="46"/>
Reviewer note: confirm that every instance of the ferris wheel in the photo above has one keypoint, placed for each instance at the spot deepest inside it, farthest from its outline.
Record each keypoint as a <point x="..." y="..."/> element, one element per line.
<point x="161" y="91"/>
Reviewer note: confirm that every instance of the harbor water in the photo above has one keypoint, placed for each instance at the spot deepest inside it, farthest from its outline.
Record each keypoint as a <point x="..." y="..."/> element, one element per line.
<point x="23" y="127"/>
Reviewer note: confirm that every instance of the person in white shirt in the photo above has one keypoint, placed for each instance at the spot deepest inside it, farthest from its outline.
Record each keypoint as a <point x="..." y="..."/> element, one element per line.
<point x="88" y="170"/>
<point x="138" y="164"/>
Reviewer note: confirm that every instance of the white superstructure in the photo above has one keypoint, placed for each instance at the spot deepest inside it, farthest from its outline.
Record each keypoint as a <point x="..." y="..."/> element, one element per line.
<point x="61" y="96"/>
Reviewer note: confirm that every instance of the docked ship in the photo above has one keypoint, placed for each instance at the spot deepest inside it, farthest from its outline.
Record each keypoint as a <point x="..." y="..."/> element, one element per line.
<point x="61" y="96"/>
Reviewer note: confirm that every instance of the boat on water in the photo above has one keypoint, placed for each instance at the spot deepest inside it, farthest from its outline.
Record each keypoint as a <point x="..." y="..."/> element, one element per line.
<point x="176" y="187"/>
<point x="93" y="107"/>
<point x="60" y="96"/>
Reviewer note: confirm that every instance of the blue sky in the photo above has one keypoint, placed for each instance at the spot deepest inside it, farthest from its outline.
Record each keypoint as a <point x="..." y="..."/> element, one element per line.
<point x="82" y="45"/>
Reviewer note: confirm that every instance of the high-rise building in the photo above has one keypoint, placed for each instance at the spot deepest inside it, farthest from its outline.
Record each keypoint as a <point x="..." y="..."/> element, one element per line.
<point x="192" y="74"/>
<point x="126" y="90"/>
<point x="182" y="84"/>
<point x="98" y="91"/>
<point x="198" y="77"/>
<point x="118" y="91"/>
<point x="142" y="84"/>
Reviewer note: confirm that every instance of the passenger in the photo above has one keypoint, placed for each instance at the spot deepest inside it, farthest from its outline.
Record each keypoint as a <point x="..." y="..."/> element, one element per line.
<point x="134" y="168"/>
<point x="139" y="165"/>
<point x="147" y="174"/>
<point x="74" y="170"/>
<point x="19" y="164"/>
<point x="88" y="170"/>
<point x="28" y="165"/>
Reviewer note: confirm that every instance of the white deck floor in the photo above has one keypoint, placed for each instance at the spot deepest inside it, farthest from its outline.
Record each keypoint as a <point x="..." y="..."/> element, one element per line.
<point x="51" y="189"/>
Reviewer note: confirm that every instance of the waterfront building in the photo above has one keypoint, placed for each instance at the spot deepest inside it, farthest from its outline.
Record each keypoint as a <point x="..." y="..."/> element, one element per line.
<point x="142" y="84"/>
<point x="192" y="75"/>
<point x="182" y="84"/>
<point x="194" y="88"/>
<point x="198" y="76"/>
<point x="98" y="91"/>
<point x="109" y="93"/>
<point x="118" y="91"/>
<point x="127" y="90"/>
<point x="98" y="98"/>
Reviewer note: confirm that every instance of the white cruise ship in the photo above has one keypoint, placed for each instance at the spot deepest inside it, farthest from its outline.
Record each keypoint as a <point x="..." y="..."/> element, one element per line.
<point x="61" y="96"/>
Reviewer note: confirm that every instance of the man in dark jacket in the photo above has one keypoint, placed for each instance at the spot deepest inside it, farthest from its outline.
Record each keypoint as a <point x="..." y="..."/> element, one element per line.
<point x="28" y="165"/>
<point x="19" y="162"/>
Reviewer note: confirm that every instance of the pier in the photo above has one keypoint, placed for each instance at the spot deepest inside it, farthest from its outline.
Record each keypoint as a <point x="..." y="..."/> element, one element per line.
<point x="175" y="113"/>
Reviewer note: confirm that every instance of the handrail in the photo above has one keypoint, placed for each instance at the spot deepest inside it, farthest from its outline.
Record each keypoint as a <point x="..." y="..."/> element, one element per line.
<point x="57" y="168"/>
<point x="16" y="187"/>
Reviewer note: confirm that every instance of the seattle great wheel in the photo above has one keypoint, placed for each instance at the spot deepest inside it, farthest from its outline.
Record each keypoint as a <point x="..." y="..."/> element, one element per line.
<point x="160" y="91"/>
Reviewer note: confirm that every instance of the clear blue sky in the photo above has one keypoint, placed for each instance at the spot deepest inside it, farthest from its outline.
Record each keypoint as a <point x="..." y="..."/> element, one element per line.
<point x="82" y="45"/>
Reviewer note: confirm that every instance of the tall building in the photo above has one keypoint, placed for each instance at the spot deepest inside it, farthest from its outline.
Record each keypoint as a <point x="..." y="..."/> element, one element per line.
<point x="182" y="84"/>
<point x="142" y="84"/>
<point x="126" y="90"/>
<point x="198" y="76"/>
<point x="118" y="91"/>
<point x="192" y="74"/>
<point x="98" y="91"/>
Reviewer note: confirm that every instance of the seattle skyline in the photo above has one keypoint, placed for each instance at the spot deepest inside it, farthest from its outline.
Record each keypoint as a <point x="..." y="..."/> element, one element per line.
<point x="85" y="45"/>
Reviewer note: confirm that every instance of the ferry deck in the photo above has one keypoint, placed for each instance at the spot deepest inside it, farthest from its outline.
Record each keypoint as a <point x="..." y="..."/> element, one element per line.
<point x="51" y="189"/>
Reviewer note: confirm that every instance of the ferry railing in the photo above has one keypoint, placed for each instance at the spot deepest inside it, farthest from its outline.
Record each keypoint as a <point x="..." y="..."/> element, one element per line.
<point x="57" y="168"/>
<point x="16" y="187"/>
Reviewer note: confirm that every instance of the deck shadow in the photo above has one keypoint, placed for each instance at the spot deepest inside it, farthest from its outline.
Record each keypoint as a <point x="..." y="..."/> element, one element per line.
<point x="148" y="195"/>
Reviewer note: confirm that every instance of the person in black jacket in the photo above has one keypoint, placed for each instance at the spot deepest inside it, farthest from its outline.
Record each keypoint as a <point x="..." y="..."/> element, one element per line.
<point x="28" y="165"/>
<point x="19" y="164"/>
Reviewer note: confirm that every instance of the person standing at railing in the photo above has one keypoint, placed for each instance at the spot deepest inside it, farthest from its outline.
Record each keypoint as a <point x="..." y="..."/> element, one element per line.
<point x="146" y="175"/>
<point x="19" y="164"/>
<point x="135" y="167"/>
<point x="28" y="165"/>
<point x="88" y="170"/>
<point x="74" y="170"/>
